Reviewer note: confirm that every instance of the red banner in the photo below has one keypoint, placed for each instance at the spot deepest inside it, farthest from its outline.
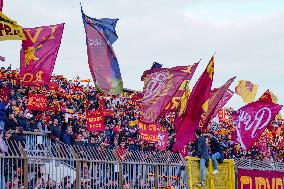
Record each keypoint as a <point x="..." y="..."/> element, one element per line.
<point x="95" y="121"/>
<point x="4" y="94"/>
<point x="39" y="52"/>
<point x="254" y="179"/>
<point x="53" y="86"/>
<point x="148" y="132"/>
<point x="37" y="102"/>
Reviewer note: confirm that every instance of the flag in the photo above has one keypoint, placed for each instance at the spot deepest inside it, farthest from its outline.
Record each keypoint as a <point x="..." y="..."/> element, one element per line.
<point x="4" y="94"/>
<point x="226" y="97"/>
<point x="38" y="54"/>
<point x="37" y="102"/>
<point x="104" y="67"/>
<point x="195" y="107"/>
<point x="246" y="90"/>
<point x="212" y="103"/>
<point x="251" y="120"/>
<point x="9" y="29"/>
<point x="148" y="132"/>
<point x="268" y="96"/>
<point x="2" y="58"/>
<point x="1" y="5"/>
<point x="159" y="88"/>
<point x="95" y="121"/>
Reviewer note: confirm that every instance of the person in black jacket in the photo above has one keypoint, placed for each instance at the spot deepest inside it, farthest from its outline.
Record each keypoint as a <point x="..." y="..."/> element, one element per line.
<point x="216" y="151"/>
<point x="201" y="149"/>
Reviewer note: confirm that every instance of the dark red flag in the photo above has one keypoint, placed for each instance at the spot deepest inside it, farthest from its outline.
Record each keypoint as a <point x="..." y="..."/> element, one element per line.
<point x="37" y="102"/>
<point x="195" y="107"/>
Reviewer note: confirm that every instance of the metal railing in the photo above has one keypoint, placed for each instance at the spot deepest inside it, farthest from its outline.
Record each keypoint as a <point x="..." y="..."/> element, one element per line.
<point x="259" y="165"/>
<point x="63" y="166"/>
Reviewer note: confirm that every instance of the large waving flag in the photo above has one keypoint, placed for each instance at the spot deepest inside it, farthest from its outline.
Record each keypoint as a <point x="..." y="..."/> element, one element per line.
<point x="9" y="29"/>
<point x="246" y="90"/>
<point x="39" y="53"/>
<point x="100" y="35"/>
<point x="251" y="120"/>
<point x="159" y="89"/>
<point x="212" y="103"/>
<point x="268" y="96"/>
<point x="198" y="99"/>
<point x="226" y="97"/>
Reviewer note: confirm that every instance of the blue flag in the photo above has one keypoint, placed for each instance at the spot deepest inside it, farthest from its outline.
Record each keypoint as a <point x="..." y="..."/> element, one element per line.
<point x="100" y="35"/>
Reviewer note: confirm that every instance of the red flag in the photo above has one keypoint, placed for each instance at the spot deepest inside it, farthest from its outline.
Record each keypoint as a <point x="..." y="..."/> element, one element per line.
<point x="52" y="86"/>
<point x="251" y="120"/>
<point x="226" y="97"/>
<point x="39" y="52"/>
<point x="95" y="121"/>
<point x="37" y="102"/>
<point x="212" y="103"/>
<point x="268" y="96"/>
<point x="195" y="107"/>
<point x="159" y="89"/>
<point x="1" y="5"/>
<point x="148" y="132"/>
<point x="4" y="94"/>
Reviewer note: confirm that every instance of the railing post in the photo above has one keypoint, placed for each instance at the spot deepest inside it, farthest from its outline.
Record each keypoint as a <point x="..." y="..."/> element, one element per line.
<point x="156" y="176"/>
<point x="120" y="172"/>
<point x="26" y="162"/>
<point x="78" y="175"/>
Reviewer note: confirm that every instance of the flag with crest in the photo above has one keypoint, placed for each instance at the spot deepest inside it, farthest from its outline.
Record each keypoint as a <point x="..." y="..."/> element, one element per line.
<point x="38" y="54"/>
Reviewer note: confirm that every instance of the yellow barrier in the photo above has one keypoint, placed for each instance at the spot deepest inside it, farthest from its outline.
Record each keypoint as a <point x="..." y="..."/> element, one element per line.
<point x="225" y="179"/>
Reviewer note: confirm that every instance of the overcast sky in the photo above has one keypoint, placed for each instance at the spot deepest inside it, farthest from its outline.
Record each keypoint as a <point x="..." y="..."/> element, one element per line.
<point x="247" y="36"/>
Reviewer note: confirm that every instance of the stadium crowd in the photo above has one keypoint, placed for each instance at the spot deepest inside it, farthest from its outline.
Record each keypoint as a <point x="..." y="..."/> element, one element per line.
<point x="65" y="120"/>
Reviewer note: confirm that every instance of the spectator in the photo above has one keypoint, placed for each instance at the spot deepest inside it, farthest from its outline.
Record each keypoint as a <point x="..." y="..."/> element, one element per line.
<point x="18" y="136"/>
<point x="68" y="137"/>
<point x="11" y="123"/>
<point x="55" y="129"/>
<point x="216" y="152"/>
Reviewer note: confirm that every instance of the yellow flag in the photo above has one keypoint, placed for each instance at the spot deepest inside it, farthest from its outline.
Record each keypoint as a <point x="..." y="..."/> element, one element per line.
<point x="9" y="29"/>
<point x="246" y="90"/>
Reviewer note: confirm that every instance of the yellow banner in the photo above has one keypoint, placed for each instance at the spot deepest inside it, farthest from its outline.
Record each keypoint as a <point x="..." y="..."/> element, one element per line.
<point x="9" y="29"/>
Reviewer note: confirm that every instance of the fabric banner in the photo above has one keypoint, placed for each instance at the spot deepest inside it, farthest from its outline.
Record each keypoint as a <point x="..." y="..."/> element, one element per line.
<point x="95" y="121"/>
<point x="226" y="97"/>
<point x="39" y="53"/>
<point x="148" y="132"/>
<point x="9" y="29"/>
<point x="1" y="5"/>
<point x="246" y="90"/>
<point x="162" y="137"/>
<point x="212" y="103"/>
<point x="195" y="107"/>
<point x="104" y="67"/>
<point x="159" y="88"/>
<point x="251" y="120"/>
<point x="255" y="179"/>
<point x="4" y="94"/>
<point x="37" y="102"/>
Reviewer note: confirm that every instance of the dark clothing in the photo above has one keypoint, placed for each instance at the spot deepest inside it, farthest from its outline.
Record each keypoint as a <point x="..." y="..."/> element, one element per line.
<point x="202" y="148"/>
<point x="56" y="131"/>
<point x="68" y="139"/>
<point x="10" y="124"/>
<point x="216" y="147"/>
<point x="22" y="122"/>
<point x="2" y="111"/>
<point x="18" y="138"/>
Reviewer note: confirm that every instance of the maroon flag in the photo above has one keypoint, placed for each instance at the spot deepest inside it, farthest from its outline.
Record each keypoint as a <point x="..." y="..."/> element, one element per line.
<point x="38" y="54"/>
<point x="195" y="107"/>
<point x="2" y="58"/>
<point x="1" y="5"/>
<point x="226" y="97"/>
<point x="4" y="94"/>
<point x="159" y="89"/>
<point x="251" y="120"/>
<point x="212" y="103"/>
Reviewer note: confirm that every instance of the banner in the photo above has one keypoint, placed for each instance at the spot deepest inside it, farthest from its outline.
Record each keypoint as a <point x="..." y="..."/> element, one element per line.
<point x="104" y="67"/>
<point x="209" y="107"/>
<point x="95" y="121"/>
<point x="159" y="88"/>
<point x="268" y="96"/>
<point x="39" y="53"/>
<point x="195" y="107"/>
<point x="37" y="102"/>
<point x="246" y="90"/>
<point x="9" y="29"/>
<point x="148" y="132"/>
<point x="255" y="179"/>
<point x="4" y="94"/>
<point x="252" y="119"/>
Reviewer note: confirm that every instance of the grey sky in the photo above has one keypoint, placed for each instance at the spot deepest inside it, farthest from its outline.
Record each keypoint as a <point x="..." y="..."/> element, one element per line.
<point x="247" y="36"/>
